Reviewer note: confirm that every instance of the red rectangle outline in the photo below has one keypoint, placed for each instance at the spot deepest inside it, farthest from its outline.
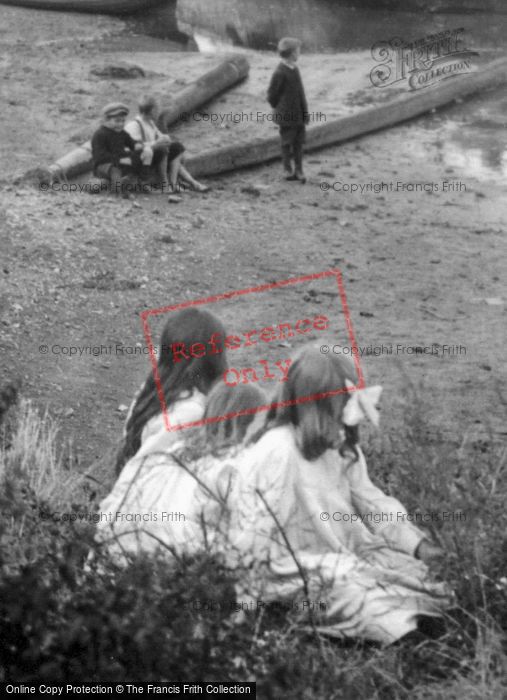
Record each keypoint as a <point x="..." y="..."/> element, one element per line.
<point x="241" y="292"/>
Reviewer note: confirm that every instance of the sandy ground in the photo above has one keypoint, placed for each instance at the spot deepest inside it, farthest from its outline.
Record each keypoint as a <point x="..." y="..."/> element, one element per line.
<point x="419" y="269"/>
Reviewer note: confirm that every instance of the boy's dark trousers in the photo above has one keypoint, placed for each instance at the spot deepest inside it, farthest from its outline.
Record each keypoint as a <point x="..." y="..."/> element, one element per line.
<point x="293" y="138"/>
<point x="121" y="177"/>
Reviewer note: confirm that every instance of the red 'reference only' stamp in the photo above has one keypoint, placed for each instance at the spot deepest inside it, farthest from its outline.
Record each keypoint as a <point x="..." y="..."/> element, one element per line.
<point x="262" y="370"/>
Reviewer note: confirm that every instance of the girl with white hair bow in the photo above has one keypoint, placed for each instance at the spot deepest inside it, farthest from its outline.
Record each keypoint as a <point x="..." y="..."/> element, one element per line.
<point x="308" y="522"/>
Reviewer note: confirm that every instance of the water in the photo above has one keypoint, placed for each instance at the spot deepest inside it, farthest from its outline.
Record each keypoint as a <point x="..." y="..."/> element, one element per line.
<point x="161" y="22"/>
<point x="324" y="25"/>
<point x="471" y="137"/>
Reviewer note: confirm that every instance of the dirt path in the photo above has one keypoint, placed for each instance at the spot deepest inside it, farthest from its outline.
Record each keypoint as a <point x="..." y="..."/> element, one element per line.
<point x="420" y="269"/>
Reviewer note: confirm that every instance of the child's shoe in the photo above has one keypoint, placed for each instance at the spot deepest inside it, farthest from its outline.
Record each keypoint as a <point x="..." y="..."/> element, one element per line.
<point x="127" y="184"/>
<point x="199" y="187"/>
<point x="297" y="177"/>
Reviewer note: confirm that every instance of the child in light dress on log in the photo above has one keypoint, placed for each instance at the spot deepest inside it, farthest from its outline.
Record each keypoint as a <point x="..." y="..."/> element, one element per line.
<point x="308" y="523"/>
<point x="160" y="153"/>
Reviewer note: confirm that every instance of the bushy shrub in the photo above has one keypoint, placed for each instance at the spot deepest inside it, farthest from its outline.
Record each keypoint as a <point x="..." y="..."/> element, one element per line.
<point x="60" y="622"/>
<point x="66" y="616"/>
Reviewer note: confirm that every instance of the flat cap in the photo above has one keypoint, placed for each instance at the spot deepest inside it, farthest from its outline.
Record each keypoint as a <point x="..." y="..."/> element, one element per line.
<point x="114" y="109"/>
<point x="288" y="43"/>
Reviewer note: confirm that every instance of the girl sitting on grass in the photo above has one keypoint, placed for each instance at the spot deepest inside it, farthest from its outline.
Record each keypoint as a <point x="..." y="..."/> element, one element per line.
<point x="211" y="456"/>
<point x="307" y="522"/>
<point x="184" y="385"/>
<point x="178" y="508"/>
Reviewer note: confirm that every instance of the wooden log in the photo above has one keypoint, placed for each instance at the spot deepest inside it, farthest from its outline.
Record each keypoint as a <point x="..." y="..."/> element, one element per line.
<point x="413" y="104"/>
<point x="230" y="71"/>
<point x="108" y="7"/>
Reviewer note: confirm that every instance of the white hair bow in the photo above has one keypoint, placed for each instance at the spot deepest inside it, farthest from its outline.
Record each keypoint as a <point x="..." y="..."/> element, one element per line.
<point x="362" y="403"/>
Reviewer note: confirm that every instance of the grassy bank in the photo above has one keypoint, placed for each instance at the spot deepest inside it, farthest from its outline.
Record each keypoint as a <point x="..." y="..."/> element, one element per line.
<point x="65" y="619"/>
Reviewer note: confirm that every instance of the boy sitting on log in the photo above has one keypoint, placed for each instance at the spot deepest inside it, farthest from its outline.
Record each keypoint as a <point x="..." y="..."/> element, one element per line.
<point x="116" y="156"/>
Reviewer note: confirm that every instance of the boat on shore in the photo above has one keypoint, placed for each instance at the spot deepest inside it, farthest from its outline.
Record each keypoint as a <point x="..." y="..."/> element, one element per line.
<point x="225" y="12"/>
<point x="107" y="7"/>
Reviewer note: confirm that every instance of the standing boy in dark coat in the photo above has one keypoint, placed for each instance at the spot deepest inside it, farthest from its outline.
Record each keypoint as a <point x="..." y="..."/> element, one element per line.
<point x="287" y="97"/>
<point x="116" y="156"/>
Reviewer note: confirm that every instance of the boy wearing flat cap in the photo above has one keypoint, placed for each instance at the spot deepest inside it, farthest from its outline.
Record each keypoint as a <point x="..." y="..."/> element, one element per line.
<point x="286" y="95"/>
<point x="116" y="156"/>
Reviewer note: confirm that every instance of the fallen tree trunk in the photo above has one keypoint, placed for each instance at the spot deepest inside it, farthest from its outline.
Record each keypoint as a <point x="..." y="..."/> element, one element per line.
<point x="231" y="71"/>
<point x="204" y="89"/>
<point x="408" y="106"/>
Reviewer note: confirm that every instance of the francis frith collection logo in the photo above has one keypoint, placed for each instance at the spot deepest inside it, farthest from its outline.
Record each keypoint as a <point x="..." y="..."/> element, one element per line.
<point x="420" y="63"/>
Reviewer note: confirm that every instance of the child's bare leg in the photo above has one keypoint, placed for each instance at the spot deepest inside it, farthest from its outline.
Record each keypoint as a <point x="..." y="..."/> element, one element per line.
<point x="162" y="172"/>
<point x="160" y="163"/>
<point x="187" y="177"/>
<point x="174" y="169"/>
<point x="298" y="159"/>
<point x="298" y="153"/>
<point x="195" y="184"/>
<point x="286" y="159"/>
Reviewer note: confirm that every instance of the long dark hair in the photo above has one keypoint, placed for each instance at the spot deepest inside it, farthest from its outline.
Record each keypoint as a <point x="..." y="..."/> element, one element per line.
<point x="317" y="422"/>
<point x="182" y="330"/>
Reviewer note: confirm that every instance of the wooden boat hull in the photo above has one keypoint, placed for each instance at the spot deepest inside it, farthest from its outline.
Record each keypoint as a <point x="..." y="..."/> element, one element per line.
<point x="129" y="6"/>
<point x="108" y="7"/>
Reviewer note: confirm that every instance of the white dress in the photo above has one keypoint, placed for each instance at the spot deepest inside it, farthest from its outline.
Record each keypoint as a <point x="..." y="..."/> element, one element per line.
<point x="148" y="505"/>
<point x="359" y="577"/>
<point x="146" y="132"/>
